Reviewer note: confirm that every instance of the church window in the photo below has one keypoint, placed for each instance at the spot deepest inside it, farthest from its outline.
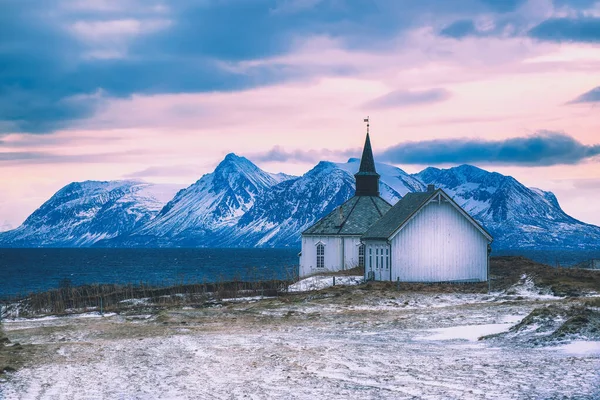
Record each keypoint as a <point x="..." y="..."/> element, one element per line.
<point x="361" y="256"/>
<point x="320" y="255"/>
<point x="370" y="258"/>
<point x="376" y="258"/>
<point x="387" y="258"/>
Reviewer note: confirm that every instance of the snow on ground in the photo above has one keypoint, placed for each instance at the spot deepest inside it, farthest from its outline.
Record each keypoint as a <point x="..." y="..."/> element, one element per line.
<point x="466" y="332"/>
<point x="249" y="299"/>
<point x="526" y="288"/>
<point x="471" y="332"/>
<point x="309" y="349"/>
<point x="321" y="282"/>
<point x="582" y="347"/>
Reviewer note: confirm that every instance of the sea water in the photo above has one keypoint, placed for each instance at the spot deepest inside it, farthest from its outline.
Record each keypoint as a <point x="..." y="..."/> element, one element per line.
<point x="30" y="270"/>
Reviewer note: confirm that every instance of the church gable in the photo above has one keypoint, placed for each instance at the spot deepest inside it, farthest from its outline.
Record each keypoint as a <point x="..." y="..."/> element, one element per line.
<point x="407" y="208"/>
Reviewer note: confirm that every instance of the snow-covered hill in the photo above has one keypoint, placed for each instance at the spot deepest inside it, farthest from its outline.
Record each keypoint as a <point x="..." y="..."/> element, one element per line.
<point x="82" y="213"/>
<point x="203" y="214"/>
<point x="240" y="205"/>
<point x="517" y="216"/>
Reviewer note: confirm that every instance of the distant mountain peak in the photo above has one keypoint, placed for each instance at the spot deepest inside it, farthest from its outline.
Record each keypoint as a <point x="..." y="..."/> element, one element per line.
<point x="240" y="205"/>
<point x="82" y="213"/>
<point x="322" y="165"/>
<point x="234" y="159"/>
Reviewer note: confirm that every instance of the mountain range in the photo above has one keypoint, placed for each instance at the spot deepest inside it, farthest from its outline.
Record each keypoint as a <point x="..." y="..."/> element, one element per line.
<point x="240" y="205"/>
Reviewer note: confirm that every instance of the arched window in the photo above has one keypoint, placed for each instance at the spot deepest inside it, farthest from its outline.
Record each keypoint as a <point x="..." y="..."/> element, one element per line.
<point x="320" y="255"/>
<point x="361" y="256"/>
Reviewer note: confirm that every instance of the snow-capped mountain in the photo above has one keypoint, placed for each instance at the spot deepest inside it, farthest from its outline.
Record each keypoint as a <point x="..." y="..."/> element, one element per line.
<point x="278" y="217"/>
<point x="240" y="205"/>
<point x="82" y="213"/>
<point x="197" y="215"/>
<point x="517" y="216"/>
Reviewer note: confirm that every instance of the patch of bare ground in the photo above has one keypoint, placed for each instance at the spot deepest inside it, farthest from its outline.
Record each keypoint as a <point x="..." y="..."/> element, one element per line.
<point x="571" y="282"/>
<point x="12" y="354"/>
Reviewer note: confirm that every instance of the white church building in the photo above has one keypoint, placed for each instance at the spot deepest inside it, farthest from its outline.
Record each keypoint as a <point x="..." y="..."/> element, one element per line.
<point x="425" y="237"/>
<point x="333" y="243"/>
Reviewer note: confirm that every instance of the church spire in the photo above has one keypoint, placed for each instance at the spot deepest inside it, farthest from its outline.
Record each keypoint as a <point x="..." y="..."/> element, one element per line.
<point x="367" y="178"/>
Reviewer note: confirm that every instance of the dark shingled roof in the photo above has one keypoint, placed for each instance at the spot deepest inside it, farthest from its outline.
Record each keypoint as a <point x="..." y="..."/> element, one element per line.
<point x="398" y="214"/>
<point x="356" y="216"/>
<point x="367" y="162"/>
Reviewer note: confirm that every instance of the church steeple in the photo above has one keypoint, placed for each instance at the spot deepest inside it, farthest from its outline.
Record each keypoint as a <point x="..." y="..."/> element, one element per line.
<point x="367" y="178"/>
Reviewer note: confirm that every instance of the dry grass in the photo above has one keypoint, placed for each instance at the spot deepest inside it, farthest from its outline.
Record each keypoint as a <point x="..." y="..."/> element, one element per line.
<point x="117" y="298"/>
<point x="12" y="355"/>
<point x="507" y="271"/>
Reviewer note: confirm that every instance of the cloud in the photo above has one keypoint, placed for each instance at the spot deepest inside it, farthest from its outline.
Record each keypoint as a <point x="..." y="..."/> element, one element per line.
<point x="585" y="30"/>
<point x="405" y="98"/>
<point x="165" y="171"/>
<point x="459" y="29"/>
<point x="278" y="154"/>
<point x="544" y="148"/>
<point x="586" y="184"/>
<point x="63" y="60"/>
<point x="43" y="157"/>
<point x="541" y="149"/>
<point x="503" y="5"/>
<point x="592" y="96"/>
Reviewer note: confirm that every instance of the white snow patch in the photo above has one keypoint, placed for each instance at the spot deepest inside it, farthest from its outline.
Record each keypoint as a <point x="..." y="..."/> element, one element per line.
<point x="466" y="332"/>
<point x="54" y="317"/>
<point x="582" y="347"/>
<point x="136" y="302"/>
<point x="322" y="282"/>
<point x="526" y="288"/>
<point x="247" y="299"/>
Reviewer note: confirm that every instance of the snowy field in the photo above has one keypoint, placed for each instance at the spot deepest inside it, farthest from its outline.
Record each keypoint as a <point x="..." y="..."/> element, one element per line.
<point x="343" y="343"/>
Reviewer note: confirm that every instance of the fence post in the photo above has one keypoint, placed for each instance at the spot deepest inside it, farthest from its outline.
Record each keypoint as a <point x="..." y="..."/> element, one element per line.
<point x="334" y="281"/>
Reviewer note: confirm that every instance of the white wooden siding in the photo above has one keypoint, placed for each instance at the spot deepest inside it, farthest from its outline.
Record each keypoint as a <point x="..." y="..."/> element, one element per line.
<point x="334" y="260"/>
<point x="438" y="245"/>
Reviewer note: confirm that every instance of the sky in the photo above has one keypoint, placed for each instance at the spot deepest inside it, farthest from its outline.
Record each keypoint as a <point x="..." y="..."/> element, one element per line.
<point x="161" y="91"/>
